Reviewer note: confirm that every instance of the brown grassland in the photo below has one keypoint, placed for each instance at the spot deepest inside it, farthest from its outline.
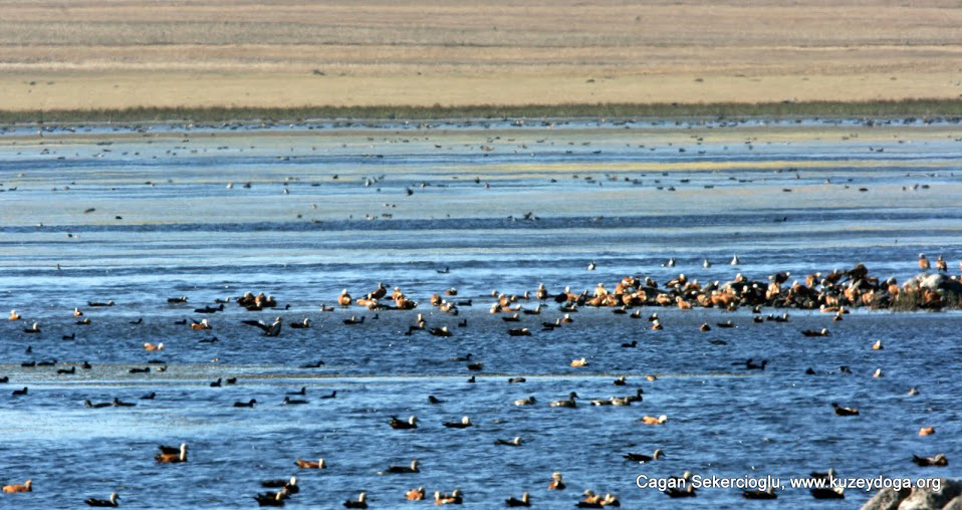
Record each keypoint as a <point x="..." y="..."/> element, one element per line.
<point x="295" y="54"/>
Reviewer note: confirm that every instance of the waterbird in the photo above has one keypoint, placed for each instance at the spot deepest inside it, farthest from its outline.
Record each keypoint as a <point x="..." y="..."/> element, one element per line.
<point x="844" y="411"/>
<point x="33" y="329"/>
<point x="828" y="493"/>
<point x="525" y="501"/>
<point x="397" y="424"/>
<point x="153" y="347"/>
<point x="71" y="336"/>
<point x="104" y="503"/>
<point x="926" y="431"/>
<point x="938" y="461"/>
<point x="642" y="458"/>
<point x="20" y="487"/>
<point x="306" y="464"/>
<point x="120" y="403"/>
<point x="289" y="484"/>
<point x="569" y="402"/>
<point x="877" y="346"/>
<point x="454" y="498"/>
<point x="463" y="424"/>
<point x="249" y="403"/>
<point x="306" y="323"/>
<point x="288" y="401"/>
<point x="203" y="324"/>
<point x="166" y="456"/>
<point x="20" y="393"/>
<point x="814" y="332"/>
<point x="271" y="330"/>
<point x="434" y="400"/>
<point x="14" y="316"/>
<point x="272" y="498"/>
<point x="413" y="468"/>
<point x="530" y="401"/>
<point x="513" y="442"/>
<point x="651" y="420"/>
<point x="557" y="484"/>
<point x="361" y="502"/>
<point x="768" y="493"/>
<point x="735" y="261"/>
<point x="415" y="494"/>
<point x="628" y="345"/>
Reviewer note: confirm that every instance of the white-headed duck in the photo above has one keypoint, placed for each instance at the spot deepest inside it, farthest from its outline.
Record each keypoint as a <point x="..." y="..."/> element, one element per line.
<point x="412" y="423"/>
<point x="306" y="464"/>
<point x="104" y="503"/>
<point x="621" y="381"/>
<point x="525" y="501"/>
<point x="768" y="493"/>
<point x="651" y="420"/>
<point x="172" y="458"/>
<point x="14" y="316"/>
<point x="153" y="347"/>
<point x="514" y="442"/>
<point x="642" y="458"/>
<point x="519" y="332"/>
<point x="395" y="470"/>
<point x="361" y="502"/>
<point x="19" y="487"/>
<point x="828" y="493"/>
<point x="272" y="498"/>
<point x="306" y="323"/>
<point x="33" y="329"/>
<point x="415" y="494"/>
<point x="815" y="332"/>
<point x="463" y="424"/>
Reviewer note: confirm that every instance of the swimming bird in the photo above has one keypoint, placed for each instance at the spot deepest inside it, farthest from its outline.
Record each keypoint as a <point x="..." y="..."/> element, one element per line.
<point x="20" y="487"/>
<point x="628" y="345"/>
<point x="120" y="403"/>
<point x="67" y="371"/>
<point x="415" y="494"/>
<point x="145" y="370"/>
<point x="828" y="493"/>
<point x="84" y="322"/>
<point x="288" y="401"/>
<point x="203" y="324"/>
<point x="525" y="501"/>
<point x="33" y="329"/>
<point x="354" y="320"/>
<point x="591" y="500"/>
<point x="591" y="266"/>
<point x="344" y="299"/>
<point x="569" y="402"/>
<point x="272" y="498"/>
<point x="397" y="424"/>
<point x="813" y="332"/>
<point x="20" y="393"/>
<point x="153" y="347"/>
<point x="454" y="499"/>
<point x="642" y="458"/>
<point x="844" y="411"/>
<point x="621" y="381"/>
<point x="651" y="420"/>
<point x="530" y="401"/>
<point x="99" y="405"/>
<point x="104" y="503"/>
<point x="306" y="464"/>
<point x="167" y="457"/>
<point x="877" y="346"/>
<point x="768" y="493"/>
<point x="249" y="403"/>
<point x="149" y="396"/>
<point x="306" y="323"/>
<point x="706" y="263"/>
<point x="924" y="262"/>
<point x="463" y="424"/>
<point x="519" y="332"/>
<point x="443" y="331"/>
<point x="361" y="502"/>
<point x="71" y="336"/>
<point x="178" y="299"/>
<point x="735" y="261"/>
<point x="557" y="484"/>
<point x="514" y="442"/>
<point x="434" y="400"/>
<point x="582" y="362"/>
<point x="938" y="461"/>
<point x="926" y="431"/>
<point x="878" y="373"/>
<point x="14" y="316"/>
<point x="413" y="468"/>
<point x="675" y="493"/>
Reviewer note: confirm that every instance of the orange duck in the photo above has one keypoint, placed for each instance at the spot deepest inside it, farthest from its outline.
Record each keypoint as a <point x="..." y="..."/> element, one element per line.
<point x="306" y="464"/>
<point x="20" y="487"/>
<point x="166" y="457"/>
<point x="415" y="494"/>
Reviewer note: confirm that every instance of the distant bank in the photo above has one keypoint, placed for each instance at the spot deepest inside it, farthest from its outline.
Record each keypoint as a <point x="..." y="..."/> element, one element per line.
<point x="941" y="109"/>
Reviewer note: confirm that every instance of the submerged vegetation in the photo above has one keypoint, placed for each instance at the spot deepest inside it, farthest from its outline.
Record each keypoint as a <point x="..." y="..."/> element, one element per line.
<point x="915" y="108"/>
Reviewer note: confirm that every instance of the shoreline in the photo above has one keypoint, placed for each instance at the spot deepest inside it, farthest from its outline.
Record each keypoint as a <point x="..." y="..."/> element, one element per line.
<point x="927" y="109"/>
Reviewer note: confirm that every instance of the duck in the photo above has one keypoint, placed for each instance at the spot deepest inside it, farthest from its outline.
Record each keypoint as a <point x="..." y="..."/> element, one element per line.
<point x="651" y="420"/>
<point x="361" y="502"/>
<point x="325" y="308"/>
<point x="535" y="311"/>
<point x="814" y="332"/>
<point x="250" y="403"/>
<point x="513" y="442"/>
<point x="288" y="401"/>
<point x="20" y="393"/>
<point x="33" y="329"/>
<point x="290" y="485"/>
<point x="272" y="498"/>
<point x="153" y="347"/>
<point x="454" y="499"/>
<point x="637" y="397"/>
<point x="877" y="346"/>
<point x="924" y="262"/>
<point x="415" y="494"/>
<point x="397" y="424"/>
<point x="844" y="411"/>
<point x="768" y="493"/>
<point x="530" y="401"/>
<point x="642" y="458"/>
<point x="306" y="464"/>
<point x="434" y="400"/>
<point x="84" y="322"/>
<point x="166" y="457"/>
<point x="104" y="503"/>
<point x="99" y="405"/>
<point x="519" y="332"/>
<point x="621" y="381"/>
<point x="442" y="331"/>
<point x="476" y="366"/>
<point x="525" y="501"/>
<point x="512" y="318"/>
<point x="306" y="323"/>
<point x="735" y="261"/>
<point x="203" y="324"/>
<point x="354" y="320"/>
<point x="591" y="500"/>
<point x="926" y="431"/>
<point x="20" y="487"/>
<point x="704" y="327"/>
<point x="582" y="362"/>
<point x="569" y="402"/>
<point x="413" y="468"/>
<point x="878" y="373"/>
<point x="828" y="493"/>
<point x="656" y="325"/>
<point x="557" y="484"/>
<point x="938" y="461"/>
<point x="344" y="299"/>
<point x="14" y="316"/>
<point x="675" y="493"/>
<point x="610" y="500"/>
<point x="463" y="424"/>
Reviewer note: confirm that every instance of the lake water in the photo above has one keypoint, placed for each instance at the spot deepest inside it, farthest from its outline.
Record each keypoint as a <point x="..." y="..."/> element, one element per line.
<point x="150" y="215"/>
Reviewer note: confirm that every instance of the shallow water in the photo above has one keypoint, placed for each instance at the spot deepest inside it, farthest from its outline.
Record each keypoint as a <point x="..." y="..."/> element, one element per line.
<point x="186" y="233"/>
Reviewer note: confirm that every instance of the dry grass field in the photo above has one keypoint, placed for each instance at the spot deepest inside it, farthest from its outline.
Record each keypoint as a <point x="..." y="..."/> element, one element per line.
<point x="86" y="54"/>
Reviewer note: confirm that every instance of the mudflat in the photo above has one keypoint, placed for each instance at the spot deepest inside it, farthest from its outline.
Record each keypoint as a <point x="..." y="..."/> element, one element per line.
<point x="215" y="53"/>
